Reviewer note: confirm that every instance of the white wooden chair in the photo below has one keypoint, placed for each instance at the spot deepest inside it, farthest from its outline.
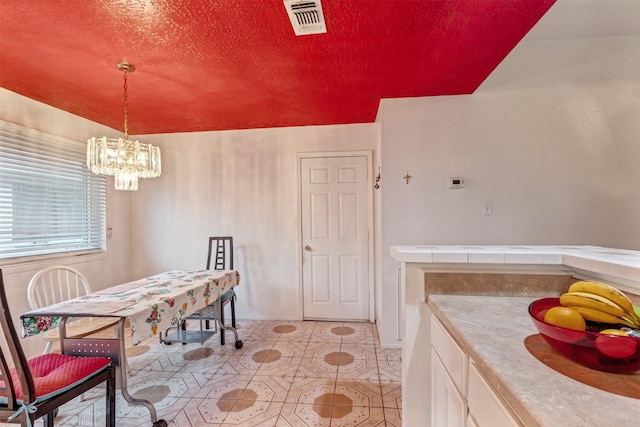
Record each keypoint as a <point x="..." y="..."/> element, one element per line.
<point x="60" y="283"/>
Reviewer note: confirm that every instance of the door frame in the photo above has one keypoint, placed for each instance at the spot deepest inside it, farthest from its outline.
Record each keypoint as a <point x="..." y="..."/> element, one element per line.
<point x="368" y="154"/>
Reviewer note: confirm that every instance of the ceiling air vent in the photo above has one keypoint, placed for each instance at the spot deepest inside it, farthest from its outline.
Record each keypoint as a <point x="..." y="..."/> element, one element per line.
<point x="306" y="16"/>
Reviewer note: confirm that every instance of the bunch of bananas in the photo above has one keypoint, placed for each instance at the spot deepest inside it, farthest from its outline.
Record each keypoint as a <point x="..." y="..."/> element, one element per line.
<point x="598" y="302"/>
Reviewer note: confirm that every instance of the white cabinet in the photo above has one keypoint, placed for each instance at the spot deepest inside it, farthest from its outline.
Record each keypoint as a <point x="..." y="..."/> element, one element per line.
<point x="485" y="406"/>
<point x="460" y="396"/>
<point x="450" y="404"/>
<point x="448" y="379"/>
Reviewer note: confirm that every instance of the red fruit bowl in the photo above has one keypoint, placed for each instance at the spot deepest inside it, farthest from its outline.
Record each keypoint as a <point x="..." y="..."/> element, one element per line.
<point x="611" y="353"/>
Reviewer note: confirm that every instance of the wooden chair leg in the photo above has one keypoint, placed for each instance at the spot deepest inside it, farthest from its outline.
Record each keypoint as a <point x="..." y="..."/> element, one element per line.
<point x="110" y="418"/>
<point x="48" y="422"/>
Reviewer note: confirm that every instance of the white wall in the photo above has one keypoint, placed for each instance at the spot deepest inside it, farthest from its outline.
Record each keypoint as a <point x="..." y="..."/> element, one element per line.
<point x="102" y="270"/>
<point x="239" y="183"/>
<point x="552" y="143"/>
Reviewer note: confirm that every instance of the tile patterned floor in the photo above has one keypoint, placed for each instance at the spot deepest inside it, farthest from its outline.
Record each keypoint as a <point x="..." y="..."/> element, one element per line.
<point x="288" y="374"/>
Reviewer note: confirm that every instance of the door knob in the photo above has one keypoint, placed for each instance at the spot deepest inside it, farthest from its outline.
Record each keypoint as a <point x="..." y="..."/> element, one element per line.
<point x="307" y="248"/>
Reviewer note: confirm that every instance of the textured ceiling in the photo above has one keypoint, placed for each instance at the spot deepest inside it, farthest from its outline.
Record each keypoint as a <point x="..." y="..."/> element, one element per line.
<point x="236" y="64"/>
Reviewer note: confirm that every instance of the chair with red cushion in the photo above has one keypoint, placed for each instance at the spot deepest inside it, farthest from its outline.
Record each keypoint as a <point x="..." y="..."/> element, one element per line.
<point x="30" y="389"/>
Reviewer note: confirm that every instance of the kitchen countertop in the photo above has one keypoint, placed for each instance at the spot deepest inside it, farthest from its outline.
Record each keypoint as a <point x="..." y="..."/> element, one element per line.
<point x="492" y="331"/>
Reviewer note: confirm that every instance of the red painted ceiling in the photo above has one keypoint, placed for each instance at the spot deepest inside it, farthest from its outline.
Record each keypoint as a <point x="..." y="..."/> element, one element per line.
<point x="236" y="64"/>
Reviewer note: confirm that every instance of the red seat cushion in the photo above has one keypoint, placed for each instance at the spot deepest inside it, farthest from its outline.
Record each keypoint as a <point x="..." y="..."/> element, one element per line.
<point x="53" y="372"/>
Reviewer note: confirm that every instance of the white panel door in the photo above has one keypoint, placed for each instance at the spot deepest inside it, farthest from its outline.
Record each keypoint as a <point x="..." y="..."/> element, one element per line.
<point x="335" y="238"/>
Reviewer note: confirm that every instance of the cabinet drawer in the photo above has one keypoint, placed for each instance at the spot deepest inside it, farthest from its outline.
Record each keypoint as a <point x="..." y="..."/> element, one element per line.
<point x="451" y="355"/>
<point x="485" y="406"/>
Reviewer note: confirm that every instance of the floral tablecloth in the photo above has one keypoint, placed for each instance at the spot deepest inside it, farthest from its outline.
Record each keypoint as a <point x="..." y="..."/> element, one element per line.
<point x="151" y="304"/>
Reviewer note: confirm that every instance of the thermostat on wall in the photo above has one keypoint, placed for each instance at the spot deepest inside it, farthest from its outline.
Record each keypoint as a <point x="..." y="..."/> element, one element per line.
<point x="456" y="183"/>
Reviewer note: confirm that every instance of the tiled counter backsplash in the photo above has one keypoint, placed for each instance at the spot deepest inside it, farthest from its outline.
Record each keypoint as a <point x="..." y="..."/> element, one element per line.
<point x="555" y="268"/>
<point x="504" y="285"/>
<point x="497" y="284"/>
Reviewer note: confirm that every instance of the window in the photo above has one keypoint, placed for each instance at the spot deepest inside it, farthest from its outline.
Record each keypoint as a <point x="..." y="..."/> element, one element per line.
<point x="50" y="203"/>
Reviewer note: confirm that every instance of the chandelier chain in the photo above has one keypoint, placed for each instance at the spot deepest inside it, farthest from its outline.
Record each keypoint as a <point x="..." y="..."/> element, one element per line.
<point x="126" y="125"/>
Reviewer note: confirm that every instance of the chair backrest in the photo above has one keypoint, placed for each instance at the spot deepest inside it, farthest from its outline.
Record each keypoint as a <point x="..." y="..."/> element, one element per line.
<point x="221" y="253"/>
<point x="12" y="355"/>
<point x="56" y="284"/>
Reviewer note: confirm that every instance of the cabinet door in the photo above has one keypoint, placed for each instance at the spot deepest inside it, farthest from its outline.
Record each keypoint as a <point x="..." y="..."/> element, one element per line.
<point x="448" y="407"/>
<point x="454" y="359"/>
<point x="485" y="406"/>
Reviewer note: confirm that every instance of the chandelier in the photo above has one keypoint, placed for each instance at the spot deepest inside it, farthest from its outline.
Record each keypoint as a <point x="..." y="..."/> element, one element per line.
<point x="122" y="158"/>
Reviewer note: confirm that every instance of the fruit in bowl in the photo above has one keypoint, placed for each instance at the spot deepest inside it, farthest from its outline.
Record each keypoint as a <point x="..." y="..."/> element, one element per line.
<point x="607" y="340"/>
<point x="608" y="343"/>
<point x="567" y="318"/>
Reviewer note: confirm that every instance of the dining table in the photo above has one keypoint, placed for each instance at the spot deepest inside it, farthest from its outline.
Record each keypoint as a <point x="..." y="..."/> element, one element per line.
<point x="149" y="305"/>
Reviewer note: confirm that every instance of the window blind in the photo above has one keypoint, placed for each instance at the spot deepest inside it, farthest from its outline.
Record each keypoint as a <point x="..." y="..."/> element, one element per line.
<point x="49" y="200"/>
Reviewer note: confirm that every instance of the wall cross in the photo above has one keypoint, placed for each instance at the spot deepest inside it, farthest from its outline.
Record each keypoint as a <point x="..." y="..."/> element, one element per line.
<point x="407" y="177"/>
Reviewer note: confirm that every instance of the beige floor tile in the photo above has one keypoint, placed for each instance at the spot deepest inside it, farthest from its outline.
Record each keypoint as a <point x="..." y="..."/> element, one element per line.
<point x="390" y="354"/>
<point x="304" y="415"/>
<point x="390" y="370"/>
<point x="282" y="367"/>
<point x="317" y="367"/>
<point x="288" y="374"/>
<point x="270" y="324"/>
<point x="391" y="394"/>
<point x="359" y="369"/>
<point x="323" y="332"/>
<point x="240" y="365"/>
<point x="360" y="416"/>
<point x="135" y="384"/>
<point x="393" y="417"/>
<point x="169" y="406"/>
<point x="267" y="389"/>
<point x="227" y="386"/>
<point x="359" y="393"/>
<point x="203" y="412"/>
<point x="253" y="414"/>
<point x="264" y="334"/>
<point x="291" y="348"/>
<point x="361" y="333"/>
<point x="277" y="330"/>
<point x="359" y="350"/>
<point x="193" y="384"/>
<point x="209" y="387"/>
<point x="180" y="419"/>
<point x="301" y="336"/>
<point x="311" y="390"/>
<point x="358" y="361"/>
<point x="252" y="346"/>
<point x="321" y="348"/>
